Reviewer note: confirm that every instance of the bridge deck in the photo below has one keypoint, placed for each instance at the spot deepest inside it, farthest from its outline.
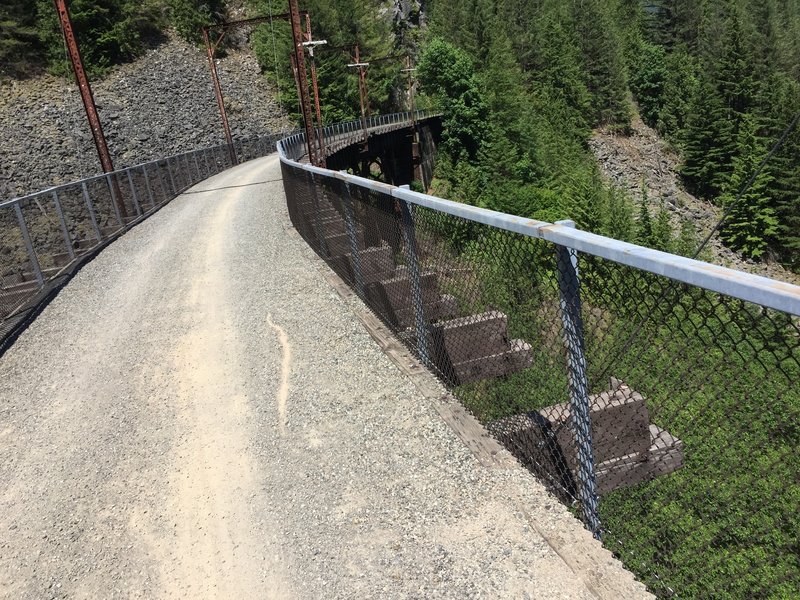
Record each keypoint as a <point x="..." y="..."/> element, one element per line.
<point x="198" y="414"/>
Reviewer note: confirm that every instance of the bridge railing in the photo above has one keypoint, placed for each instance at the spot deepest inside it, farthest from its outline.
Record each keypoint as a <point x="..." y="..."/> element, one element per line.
<point x="294" y="147"/>
<point x="47" y="235"/>
<point x="655" y="395"/>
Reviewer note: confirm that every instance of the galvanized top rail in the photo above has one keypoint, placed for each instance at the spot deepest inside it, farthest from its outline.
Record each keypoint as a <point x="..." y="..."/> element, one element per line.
<point x="767" y="292"/>
<point x="120" y="171"/>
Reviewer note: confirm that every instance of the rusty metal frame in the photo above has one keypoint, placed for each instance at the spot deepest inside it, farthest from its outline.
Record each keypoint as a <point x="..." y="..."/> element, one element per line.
<point x="87" y="97"/>
<point x="298" y="70"/>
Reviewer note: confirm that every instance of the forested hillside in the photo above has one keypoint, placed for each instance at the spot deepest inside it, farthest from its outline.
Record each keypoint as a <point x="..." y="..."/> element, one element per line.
<point x="526" y="81"/>
<point x="109" y="31"/>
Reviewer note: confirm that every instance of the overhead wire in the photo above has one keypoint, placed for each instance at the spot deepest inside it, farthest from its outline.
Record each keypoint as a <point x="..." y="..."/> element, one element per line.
<point x="669" y="288"/>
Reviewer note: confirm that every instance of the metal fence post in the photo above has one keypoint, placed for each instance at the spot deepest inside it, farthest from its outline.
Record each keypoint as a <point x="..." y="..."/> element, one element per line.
<point x="188" y="170"/>
<point x="171" y="178"/>
<point x="26" y="237"/>
<point x="569" y="288"/>
<point x="205" y="161"/>
<point x="90" y="208"/>
<point x="410" y="243"/>
<point x="197" y="166"/>
<point x="352" y="233"/>
<point x="63" y="222"/>
<point x="134" y="195"/>
<point x="114" y="201"/>
<point x="147" y="185"/>
<point x="164" y="191"/>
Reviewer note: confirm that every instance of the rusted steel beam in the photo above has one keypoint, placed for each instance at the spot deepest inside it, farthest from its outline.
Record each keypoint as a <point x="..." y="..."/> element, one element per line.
<point x="293" y="60"/>
<point x="315" y="87"/>
<point x="212" y="64"/>
<point x="223" y="27"/>
<point x="302" y="79"/>
<point x="87" y="97"/>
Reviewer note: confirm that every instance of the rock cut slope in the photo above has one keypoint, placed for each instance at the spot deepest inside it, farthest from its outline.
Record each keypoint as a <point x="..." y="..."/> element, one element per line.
<point x="642" y="158"/>
<point x="161" y="104"/>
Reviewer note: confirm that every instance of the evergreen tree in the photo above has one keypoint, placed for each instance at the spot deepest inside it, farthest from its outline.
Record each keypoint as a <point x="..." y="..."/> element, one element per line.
<point x="686" y="244"/>
<point x="19" y="42"/>
<point x="619" y="223"/>
<point x="662" y="229"/>
<point x="751" y="221"/>
<point x="446" y="73"/>
<point x="781" y="101"/>
<point x="108" y="31"/>
<point x="708" y="142"/>
<point x="644" y="225"/>
<point x="735" y="68"/>
<point x="603" y="61"/>
<point x="648" y="81"/>
<point x="678" y="90"/>
<point x="557" y="74"/>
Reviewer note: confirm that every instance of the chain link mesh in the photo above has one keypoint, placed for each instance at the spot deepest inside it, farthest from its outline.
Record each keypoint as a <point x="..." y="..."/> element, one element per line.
<point x="665" y="415"/>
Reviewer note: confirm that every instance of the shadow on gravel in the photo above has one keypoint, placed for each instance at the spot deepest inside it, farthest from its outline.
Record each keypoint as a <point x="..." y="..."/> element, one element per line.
<point x="233" y="187"/>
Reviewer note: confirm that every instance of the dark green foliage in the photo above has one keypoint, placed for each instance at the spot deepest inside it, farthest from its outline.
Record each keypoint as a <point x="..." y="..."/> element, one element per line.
<point x="662" y="230"/>
<point x="708" y="142"/>
<point x="782" y="100"/>
<point x="20" y="49"/>
<point x="648" y="80"/>
<point x="446" y="73"/>
<point x="603" y="61"/>
<point x="107" y="32"/>
<point x="343" y="23"/>
<point x="728" y="63"/>
<point x="189" y="16"/>
<point x="751" y="220"/>
<point x="644" y="230"/>
<point x="679" y="88"/>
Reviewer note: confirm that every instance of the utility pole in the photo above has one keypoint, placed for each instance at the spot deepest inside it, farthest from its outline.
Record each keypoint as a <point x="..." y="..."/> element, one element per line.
<point x="310" y="43"/>
<point x="88" y="101"/>
<point x="212" y="63"/>
<point x="302" y="78"/>
<point x="410" y="70"/>
<point x="415" y="157"/>
<point x="362" y="89"/>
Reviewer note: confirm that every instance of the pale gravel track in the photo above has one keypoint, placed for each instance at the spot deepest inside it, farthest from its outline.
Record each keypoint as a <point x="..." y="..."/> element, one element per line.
<point x="146" y="449"/>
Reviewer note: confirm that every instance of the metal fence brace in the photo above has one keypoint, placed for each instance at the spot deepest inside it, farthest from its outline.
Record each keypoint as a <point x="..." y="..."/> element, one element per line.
<point x="581" y="425"/>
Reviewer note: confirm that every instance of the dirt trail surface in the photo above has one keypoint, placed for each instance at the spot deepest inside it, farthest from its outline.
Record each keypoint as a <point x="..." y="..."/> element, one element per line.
<point x="199" y="415"/>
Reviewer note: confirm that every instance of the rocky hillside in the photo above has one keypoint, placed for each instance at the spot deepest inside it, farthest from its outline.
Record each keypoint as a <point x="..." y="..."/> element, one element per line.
<point x="159" y="105"/>
<point x="644" y="158"/>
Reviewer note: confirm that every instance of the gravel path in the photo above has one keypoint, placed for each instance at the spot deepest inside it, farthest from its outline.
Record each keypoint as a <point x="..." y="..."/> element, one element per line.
<point x="198" y="414"/>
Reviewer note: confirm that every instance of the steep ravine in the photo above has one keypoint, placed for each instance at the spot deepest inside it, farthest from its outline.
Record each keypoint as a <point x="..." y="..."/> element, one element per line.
<point x="643" y="156"/>
<point x="160" y="104"/>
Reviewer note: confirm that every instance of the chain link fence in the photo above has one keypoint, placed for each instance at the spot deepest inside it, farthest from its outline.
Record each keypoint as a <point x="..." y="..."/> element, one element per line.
<point x="654" y="395"/>
<point x="46" y="236"/>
